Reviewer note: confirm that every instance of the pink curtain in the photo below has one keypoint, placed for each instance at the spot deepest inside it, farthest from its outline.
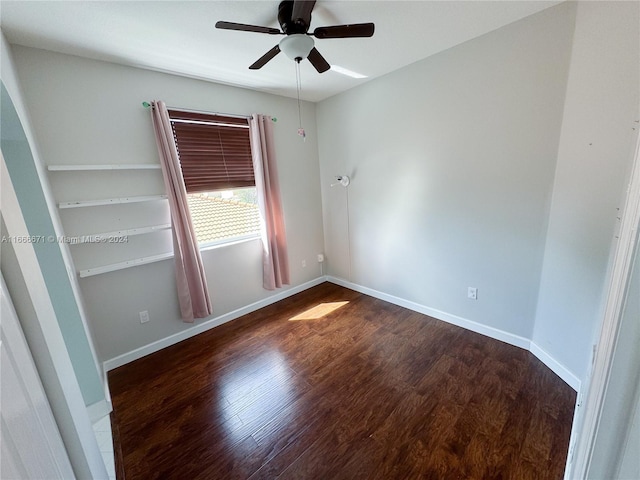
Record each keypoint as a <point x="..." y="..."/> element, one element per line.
<point x="275" y="261"/>
<point x="193" y="293"/>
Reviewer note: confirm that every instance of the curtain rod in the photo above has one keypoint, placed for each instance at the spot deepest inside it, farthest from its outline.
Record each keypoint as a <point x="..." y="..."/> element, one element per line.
<point x="147" y="105"/>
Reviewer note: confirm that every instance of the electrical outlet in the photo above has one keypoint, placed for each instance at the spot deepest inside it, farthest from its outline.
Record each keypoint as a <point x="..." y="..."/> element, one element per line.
<point x="320" y="258"/>
<point x="304" y="263"/>
<point x="472" y="293"/>
<point x="144" y="316"/>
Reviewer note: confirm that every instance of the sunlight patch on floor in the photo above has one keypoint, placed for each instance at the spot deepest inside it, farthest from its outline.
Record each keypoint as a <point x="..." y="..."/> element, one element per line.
<point x="318" y="311"/>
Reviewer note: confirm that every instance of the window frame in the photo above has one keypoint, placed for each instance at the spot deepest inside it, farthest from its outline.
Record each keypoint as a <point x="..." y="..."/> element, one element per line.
<point x="238" y="154"/>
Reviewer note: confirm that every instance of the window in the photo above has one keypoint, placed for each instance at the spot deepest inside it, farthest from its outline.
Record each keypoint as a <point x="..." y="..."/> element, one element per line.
<point x="216" y="162"/>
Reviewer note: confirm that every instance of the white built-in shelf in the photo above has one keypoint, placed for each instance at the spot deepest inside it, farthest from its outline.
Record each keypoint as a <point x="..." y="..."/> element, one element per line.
<point x="117" y="234"/>
<point x="104" y="237"/>
<point x="79" y="168"/>
<point x="111" y="201"/>
<point x="89" y="272"/>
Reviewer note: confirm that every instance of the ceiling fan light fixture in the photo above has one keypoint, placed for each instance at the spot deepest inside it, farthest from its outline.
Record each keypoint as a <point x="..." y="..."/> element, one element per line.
<point x="297" y="46"/>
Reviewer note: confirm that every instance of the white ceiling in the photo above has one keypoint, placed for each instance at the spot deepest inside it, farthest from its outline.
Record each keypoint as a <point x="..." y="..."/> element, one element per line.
<point x="179" y="36"/>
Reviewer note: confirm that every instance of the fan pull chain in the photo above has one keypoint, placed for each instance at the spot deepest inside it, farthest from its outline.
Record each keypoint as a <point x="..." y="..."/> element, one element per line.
<point x="301" y="131"/>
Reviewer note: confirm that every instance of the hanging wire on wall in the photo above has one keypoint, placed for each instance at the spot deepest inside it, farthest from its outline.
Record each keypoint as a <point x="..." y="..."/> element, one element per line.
<point x="301" y="131"/>
<point x="345" y="181"/>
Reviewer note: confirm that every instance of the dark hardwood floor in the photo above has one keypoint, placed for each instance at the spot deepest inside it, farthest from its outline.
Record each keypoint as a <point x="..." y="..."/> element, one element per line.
<point x="368" y="391"/>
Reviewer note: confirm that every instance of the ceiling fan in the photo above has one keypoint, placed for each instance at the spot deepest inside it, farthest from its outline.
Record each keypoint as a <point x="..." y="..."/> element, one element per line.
<point x="294" y="17"/>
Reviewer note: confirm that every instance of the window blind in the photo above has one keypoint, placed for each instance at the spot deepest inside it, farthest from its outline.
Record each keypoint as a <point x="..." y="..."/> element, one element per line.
<point x="214" y="151"/>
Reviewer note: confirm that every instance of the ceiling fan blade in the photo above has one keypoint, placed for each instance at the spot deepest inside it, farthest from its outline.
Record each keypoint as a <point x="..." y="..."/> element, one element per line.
<point x="247" y="28"/>
<point x="345" y="31"/>
<point x="318" y="61"/>
<point x="262" y="61"/>
<point x="302" y="10"/>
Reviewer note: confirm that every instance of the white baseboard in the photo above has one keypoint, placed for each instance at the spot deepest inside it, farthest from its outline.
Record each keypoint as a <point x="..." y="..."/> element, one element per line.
<point x="564" y="373"/>
<point x="99" y="410"/>
<point x="203" y="327"/>
<point x="501" y="335"/>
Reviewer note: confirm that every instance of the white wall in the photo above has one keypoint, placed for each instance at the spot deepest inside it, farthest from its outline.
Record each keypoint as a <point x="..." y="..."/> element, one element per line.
<point x="89" y="112"/>
<point x="629" y="466"/>
<point x="452" y="162"/>
<point x="594" y="157"/>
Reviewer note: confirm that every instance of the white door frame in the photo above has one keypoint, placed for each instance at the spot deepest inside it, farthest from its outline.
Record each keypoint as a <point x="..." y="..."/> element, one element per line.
<point x="52" y="358"/>
<point x="31" y="443"/>
<point x="605" y="350"/>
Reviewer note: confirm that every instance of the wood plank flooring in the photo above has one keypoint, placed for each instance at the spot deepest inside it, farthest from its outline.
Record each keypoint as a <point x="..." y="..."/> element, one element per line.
<point x="368" y="391"/>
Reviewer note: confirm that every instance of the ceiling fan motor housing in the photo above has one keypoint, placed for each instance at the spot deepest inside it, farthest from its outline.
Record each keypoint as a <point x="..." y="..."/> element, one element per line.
<point x="289" y="25"/>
